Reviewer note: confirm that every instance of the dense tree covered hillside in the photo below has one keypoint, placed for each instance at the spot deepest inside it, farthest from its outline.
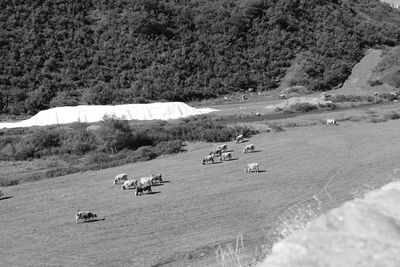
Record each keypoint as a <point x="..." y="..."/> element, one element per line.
<point x="68" y="52"/>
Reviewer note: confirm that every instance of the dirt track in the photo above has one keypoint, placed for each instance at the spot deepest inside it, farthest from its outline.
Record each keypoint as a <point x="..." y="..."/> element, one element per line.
<point x="200" y="206"/>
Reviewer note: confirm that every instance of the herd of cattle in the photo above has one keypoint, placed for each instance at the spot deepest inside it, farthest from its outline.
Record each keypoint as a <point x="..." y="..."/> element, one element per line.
<point x="221" y="152"/>
<point x="141" y="185"/>
<point x="144" y="184"/>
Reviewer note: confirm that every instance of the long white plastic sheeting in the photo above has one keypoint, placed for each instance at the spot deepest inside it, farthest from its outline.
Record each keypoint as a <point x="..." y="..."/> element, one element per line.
<point x="86" y="113"/>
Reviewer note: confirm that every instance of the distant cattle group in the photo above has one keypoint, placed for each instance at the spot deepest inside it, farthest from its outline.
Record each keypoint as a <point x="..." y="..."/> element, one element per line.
<point x="224" y="155"/>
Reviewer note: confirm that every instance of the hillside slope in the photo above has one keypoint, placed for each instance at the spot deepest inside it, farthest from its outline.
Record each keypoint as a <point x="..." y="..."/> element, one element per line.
<point x="69" y="52"/>
<point x="201" y="207"/>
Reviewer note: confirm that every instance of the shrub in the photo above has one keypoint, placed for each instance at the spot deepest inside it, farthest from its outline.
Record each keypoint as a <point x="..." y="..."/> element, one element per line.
<point x="276" y="127"/>
<point x="146" y="153"/>
<point x="375" y="82"/>
<point x="168" y="147"/>
<point x="349" y="98"/>
<point x="392" y="116"/>
<point x="377" y="119"/>
<point x="98" y="157"/>
<point x="388" y="96"/>
<point x="327" y="106"/>
<point x="303" y="107"/>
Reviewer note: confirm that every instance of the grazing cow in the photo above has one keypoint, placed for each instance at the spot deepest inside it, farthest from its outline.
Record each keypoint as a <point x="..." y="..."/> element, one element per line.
<point x="282" y="96"/>
<point x="244" y="97"/>
<point x="395" y="95"/>
<point x="375" y="94"/>
<point x="120" y="178"/>
<point x="226" y="98"/>
<point x="129" y="184"/>
<point x="249" y="148"/>
<point x="84" y="215"/>
<point x="239" y="138"/>
<point x="156" y="178"/>
<point x="216" y="152"/>
<point x="140" y="188"/>
<point x="145" y="181"/>
<point x="209" y="158"/>
<point x="252" y="167"/>
<point x="222" y="148"/>
<point x="330" y="122"/>
<point x="226" y="156"/>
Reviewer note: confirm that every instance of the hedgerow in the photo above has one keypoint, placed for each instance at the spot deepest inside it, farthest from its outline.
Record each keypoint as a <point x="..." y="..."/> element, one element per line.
<point x="113" y="136"/>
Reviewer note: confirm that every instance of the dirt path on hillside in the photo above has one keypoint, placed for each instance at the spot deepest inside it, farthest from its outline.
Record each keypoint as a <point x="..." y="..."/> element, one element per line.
<point x="357" y="83"/>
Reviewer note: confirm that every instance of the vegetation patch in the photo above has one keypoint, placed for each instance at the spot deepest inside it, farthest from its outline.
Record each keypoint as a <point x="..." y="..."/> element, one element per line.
<point x="113" y="142"/>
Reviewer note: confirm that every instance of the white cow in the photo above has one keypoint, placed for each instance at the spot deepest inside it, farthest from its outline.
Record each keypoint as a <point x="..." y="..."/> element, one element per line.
<point x="222" y="148"/>
<point x="156" y="178"/>
<point x="249" y="148"/>
<point x="209" y="158"/>
<point x="331" y="122"/>
<point x="239" y="138"/>
<point x="129" y="184"/>
<point x="253" y="167"/>
<point x="120" y="178"/>
<point x="145" y="181"/>
<point x="226" y="156"/>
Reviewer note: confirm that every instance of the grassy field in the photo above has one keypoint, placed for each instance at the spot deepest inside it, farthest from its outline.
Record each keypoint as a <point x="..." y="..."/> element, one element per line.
<point x="199" y="207"/>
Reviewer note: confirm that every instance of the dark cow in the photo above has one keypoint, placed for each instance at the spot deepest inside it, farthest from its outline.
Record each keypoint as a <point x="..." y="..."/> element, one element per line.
<point x="140" y="188"/>
<point x="84" y="215"/>
<point x="216" y="152"/>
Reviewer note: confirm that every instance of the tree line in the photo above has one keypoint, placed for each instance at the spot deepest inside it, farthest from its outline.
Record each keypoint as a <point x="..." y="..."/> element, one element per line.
<point x="70" y="52"/>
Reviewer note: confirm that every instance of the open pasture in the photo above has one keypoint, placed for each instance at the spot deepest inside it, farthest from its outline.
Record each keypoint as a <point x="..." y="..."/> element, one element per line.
<point x="199" y="206"/>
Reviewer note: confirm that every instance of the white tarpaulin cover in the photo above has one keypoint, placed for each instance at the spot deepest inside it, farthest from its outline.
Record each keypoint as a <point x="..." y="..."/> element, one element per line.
<point x="153" y="111"/>
<point x="362" y="233"/>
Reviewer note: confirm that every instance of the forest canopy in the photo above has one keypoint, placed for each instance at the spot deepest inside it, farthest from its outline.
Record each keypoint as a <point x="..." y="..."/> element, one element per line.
<point x="70" y="52"/>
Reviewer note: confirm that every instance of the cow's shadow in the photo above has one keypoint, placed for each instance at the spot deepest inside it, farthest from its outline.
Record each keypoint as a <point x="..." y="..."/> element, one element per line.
<point x="229" y="151"/>
<point x="159" y="184"/>
<point x="256" y="151"/>
<point x="94" y="220"/>
<point x="152" y="193"/>
<point x="165" y="181"/>
<point x="233" y="159"/>
<point x="244" y="141"/>
<point x="216" y="162"/>
<point x="3" y="198"/>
